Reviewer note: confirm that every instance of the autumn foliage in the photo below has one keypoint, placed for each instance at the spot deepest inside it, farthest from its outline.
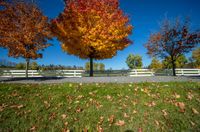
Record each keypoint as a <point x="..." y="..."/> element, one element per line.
<point x="92" y="29"/>
<point x="24" y="30"/>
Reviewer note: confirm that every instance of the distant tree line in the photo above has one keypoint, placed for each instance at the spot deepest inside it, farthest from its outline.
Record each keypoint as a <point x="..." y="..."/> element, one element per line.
<point x="96" y="66"/>
<point x="135" y="61"/>
<point x="35" y="66"/>
<point x="5" y="63"/>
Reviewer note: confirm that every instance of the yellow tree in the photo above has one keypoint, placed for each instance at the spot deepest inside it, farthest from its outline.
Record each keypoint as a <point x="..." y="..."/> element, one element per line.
<point x="24" y="30"/>
<point x="94" y="29"/>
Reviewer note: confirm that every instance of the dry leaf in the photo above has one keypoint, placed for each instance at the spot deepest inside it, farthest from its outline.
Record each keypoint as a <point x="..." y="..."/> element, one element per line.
<point x="164" y="112"/>
<point x="2" y="107"/>
<point x="66" y="123"/>
<point x="111" y="119"/>
<point x="63" y="116"/>
<point x="120" y="123"/>
<point x="192" y="123"/>
<point x="190" y="96"/>
<point x="181" y="105"/>
<point x="20" y="106"/>
<point x="157" y="123"/>
<point x="101" y="120"/>
<point x="52" y="116"/>
<point x="99" y="128"/>
<point x="177" y="96"/>
<point x="17" y="106"/>
<point x="109" y="97"/>
<point x="151" y="104"/>
<point x="33" y="128"/>
<point x="78" y="110"/>
<point x="126" y="115"/>
<point x="134" y="111"/>
<point x="140" y="129"/>
<point x="195" y="111"/>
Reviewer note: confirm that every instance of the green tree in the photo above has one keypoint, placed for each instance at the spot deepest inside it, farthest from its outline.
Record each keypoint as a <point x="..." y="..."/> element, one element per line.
<point x="20" y="66"/>
<point x="87" y="66"/>
<point x="34" y="66"/>
<point x="181" y="61"/>
<point x="101" y="67"/>
<point x="134" y="61"/>
<point x="96" y="67"/>
<point x="196" y="57"/>
<point x="155" y="64"/>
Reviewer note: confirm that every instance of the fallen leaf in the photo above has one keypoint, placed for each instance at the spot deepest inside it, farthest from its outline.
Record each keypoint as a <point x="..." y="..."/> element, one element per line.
<point x="164" y="112"/>
<point x="140" y="129"/>
<point x="20" y="106"/>
<point x="14" y="94"/>
<point x="47" y="105"/>
<point x="33" y="128"/>
<point x="111" y="119"/>
<point x="120" y="123"/>
<point x="177" y="95"/>
<point x="126" y="115"/>
<point x="151" y="104"/>
<point x="17" y="106"/>
<point x="99" y="128"/>
<point x="190" y="96"/>
<point x="63" y="116"/>
<point x="2" y="107"/>
<point x="192" y="123"/>
<point x="52" y="116"/>
<point x="181" y="105"/>
<point x="78" y="110"/>
<point x="134" y="111"/>
<point x="195" y="111"/>
<point x="157" y="123"/>
<point x="66" y="123"/>
<point x="101" y="120"/>
<point x="109" y="97"/>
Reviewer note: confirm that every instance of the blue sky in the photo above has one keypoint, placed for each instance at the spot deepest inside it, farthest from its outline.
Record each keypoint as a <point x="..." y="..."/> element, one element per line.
<point x="145" y="16"/>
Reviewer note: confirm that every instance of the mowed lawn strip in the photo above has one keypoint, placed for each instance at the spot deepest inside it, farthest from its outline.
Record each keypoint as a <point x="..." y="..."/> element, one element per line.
<point x="171" y="106"/>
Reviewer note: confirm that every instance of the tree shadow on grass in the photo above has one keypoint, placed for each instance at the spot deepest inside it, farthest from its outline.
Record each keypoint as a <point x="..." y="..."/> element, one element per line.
<point x="4" y="79"/>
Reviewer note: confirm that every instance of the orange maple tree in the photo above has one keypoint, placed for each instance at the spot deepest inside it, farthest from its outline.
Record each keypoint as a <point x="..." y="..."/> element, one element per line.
<point x="173" y="40"/>
<point x="94" y="29"/>
<point x="24" y="30"/>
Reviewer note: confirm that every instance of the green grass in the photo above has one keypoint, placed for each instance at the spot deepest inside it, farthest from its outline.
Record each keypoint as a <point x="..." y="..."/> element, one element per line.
<point x="77" y="107"/>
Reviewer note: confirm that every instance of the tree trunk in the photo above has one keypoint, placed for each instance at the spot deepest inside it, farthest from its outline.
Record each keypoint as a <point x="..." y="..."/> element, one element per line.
<point x="27" y="66"/>
<point x="174" y="67"/>
<point x="91" y="67"/>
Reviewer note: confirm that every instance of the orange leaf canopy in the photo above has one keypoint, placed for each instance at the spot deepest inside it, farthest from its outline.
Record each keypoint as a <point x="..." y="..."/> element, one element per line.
<point x="23" y="29"/>
<point x="92" y="28"/>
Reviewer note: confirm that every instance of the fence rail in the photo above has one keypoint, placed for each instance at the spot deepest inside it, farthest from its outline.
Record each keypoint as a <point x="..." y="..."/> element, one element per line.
<point x="141" y="72"/>
<point x="38" y="73"/>
<point x="188" y="72"/>
<point x="164" y="72"/>
<point x="82" y="73"/>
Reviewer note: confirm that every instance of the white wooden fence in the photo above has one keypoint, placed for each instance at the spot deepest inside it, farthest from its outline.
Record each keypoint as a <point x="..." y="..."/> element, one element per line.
<point x="165" y="72"/>
<point x="188" y="72"/>
<point x="141" y="72"/>
<point x="37" y="73"/>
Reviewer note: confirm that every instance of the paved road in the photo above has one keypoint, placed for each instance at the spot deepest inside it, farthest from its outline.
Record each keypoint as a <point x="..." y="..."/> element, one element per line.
<point x="101" y="79"/>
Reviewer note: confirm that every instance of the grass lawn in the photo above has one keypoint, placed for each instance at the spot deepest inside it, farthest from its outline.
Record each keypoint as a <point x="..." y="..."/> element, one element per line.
<point x="108" y="107"/>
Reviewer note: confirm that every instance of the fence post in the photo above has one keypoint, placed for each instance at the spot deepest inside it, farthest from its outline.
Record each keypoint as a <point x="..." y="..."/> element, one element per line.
<point x="74" y="73"/>
<point x="11" y="73"/>
<point x="136" y="72"/>
<point x="182" y="72"/>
